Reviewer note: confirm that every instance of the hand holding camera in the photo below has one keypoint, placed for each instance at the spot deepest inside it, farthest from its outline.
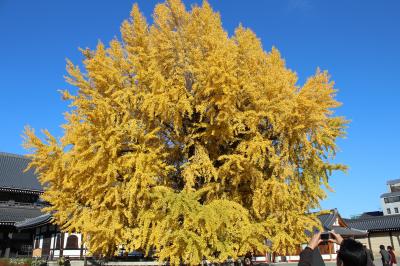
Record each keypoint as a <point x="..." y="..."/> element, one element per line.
<point x="319" y="238"/>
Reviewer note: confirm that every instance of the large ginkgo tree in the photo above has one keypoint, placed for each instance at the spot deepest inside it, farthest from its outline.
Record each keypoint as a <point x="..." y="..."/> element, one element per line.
<point x="190" y="143"/>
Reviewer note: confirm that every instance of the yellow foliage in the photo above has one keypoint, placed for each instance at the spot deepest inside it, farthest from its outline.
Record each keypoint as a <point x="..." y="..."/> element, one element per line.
<point x="188" y="141"/>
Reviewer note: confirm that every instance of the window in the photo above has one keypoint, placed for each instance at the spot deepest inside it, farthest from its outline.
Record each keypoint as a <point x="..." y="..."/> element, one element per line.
<point x="388" y="211"/>
<point x="395" y="188"/>
<point x="396" y="210"/>
<point x="392" y="199"/>
<point x="72" y="242"/>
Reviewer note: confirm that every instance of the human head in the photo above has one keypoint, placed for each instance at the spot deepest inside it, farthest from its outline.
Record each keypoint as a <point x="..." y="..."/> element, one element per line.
<point x="382" y="247"/>
<point x="352" y="253"/>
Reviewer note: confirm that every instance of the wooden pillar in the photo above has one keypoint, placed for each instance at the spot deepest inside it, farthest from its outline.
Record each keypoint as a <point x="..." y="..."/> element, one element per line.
<point x="34" y="241"/>
<point x="391" y="238"/>
<point x="369" y="242"/>
<point x="81" y="255"/>
<point x="8" y="237"/>
<point x="54" y="238"/>
<point x="61" y="244"/>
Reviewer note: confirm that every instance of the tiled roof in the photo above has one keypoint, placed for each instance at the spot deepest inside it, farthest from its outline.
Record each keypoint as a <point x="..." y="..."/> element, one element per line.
<point x="33" y="222"/>
<point x="13" y="176"/>
<point x="371" y="214"/>
<point x="9" y="214"/>
<point x="328" y="219"/>
<point x="377" y="223"/>
<point x="348" y="231"/>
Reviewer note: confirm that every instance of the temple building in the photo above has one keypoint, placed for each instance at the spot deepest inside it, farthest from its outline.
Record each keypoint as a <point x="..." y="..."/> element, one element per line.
<point x="382" y="230"/>
<point x="24" y="230"/>
<point x="49" y="242"/>
<point x="19" y="200"/>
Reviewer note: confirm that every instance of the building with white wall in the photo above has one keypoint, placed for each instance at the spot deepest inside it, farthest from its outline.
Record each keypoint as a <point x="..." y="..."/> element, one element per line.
<point x="390" y="201"/>
<point x="49" y="241"/>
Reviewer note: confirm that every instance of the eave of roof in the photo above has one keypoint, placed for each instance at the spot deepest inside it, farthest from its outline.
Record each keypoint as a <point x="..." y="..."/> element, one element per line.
<point x="392" y="182"/>
<point x="34" y="222"/>
<point x="349" y="231"/>
<point x="390" y="194"/>
<point x="26" y="191"/>
<point x="328" y="219"/>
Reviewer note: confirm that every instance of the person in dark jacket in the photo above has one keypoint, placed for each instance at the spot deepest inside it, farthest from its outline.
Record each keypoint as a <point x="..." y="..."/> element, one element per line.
<point x="310" y="256"/>
<point x="351" y="252"/>
<point x="369" y="253"/>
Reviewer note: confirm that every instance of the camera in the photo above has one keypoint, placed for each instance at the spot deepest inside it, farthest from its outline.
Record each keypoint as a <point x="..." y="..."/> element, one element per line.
<point x="325" y="236"/>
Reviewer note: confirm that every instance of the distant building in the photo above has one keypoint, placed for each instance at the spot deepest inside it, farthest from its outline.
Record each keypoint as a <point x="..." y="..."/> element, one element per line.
<point x="390" y="201"/>
<point x="383" y="227"/>
<point x="382" y="230"/>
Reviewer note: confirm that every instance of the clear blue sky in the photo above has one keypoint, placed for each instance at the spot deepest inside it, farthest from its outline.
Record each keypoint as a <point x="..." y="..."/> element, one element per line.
<point x="357" y="41"/>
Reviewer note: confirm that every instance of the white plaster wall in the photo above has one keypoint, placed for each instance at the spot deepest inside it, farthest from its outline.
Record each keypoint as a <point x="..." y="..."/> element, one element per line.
<point x="391" y="205"/>
<point x="66" y="235"/>
<point x="52" y="241"/>
<point x="378" y="239"/>
<point x="72" y="252"/>
<point x="396" y="241"/>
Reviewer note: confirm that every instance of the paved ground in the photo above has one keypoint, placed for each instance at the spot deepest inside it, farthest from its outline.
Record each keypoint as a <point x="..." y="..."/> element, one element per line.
<point x="376" y="262"/>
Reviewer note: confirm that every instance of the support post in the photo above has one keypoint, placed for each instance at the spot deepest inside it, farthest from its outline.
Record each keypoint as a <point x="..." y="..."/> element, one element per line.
<point x="391" y="238"/>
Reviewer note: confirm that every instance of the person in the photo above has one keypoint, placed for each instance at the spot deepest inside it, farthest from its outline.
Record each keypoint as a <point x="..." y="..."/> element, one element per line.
<point x="369" y="253"/>
<point x="385" y="256"/>
<point x="248" y="259"/>
<point x="310" y="254"/>
<point x="393" y="260"/>
<point x="351" y="252"/>
<point x="67" y="262"/>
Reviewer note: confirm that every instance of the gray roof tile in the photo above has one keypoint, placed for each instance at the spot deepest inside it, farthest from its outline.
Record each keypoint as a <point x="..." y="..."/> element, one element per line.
<point x="14" y="213"/>
<point x="328" y="219"/>
<point x="377" y="223"/>
<point x="13" y="175"/>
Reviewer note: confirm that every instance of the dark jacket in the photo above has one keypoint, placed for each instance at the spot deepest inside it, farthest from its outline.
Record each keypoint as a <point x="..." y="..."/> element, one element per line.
<point x="309" y="257"/>
<point x="370" y="254"/>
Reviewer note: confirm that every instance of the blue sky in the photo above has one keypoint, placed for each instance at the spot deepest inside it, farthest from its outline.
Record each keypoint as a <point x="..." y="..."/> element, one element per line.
<point x="356" y="41"/>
